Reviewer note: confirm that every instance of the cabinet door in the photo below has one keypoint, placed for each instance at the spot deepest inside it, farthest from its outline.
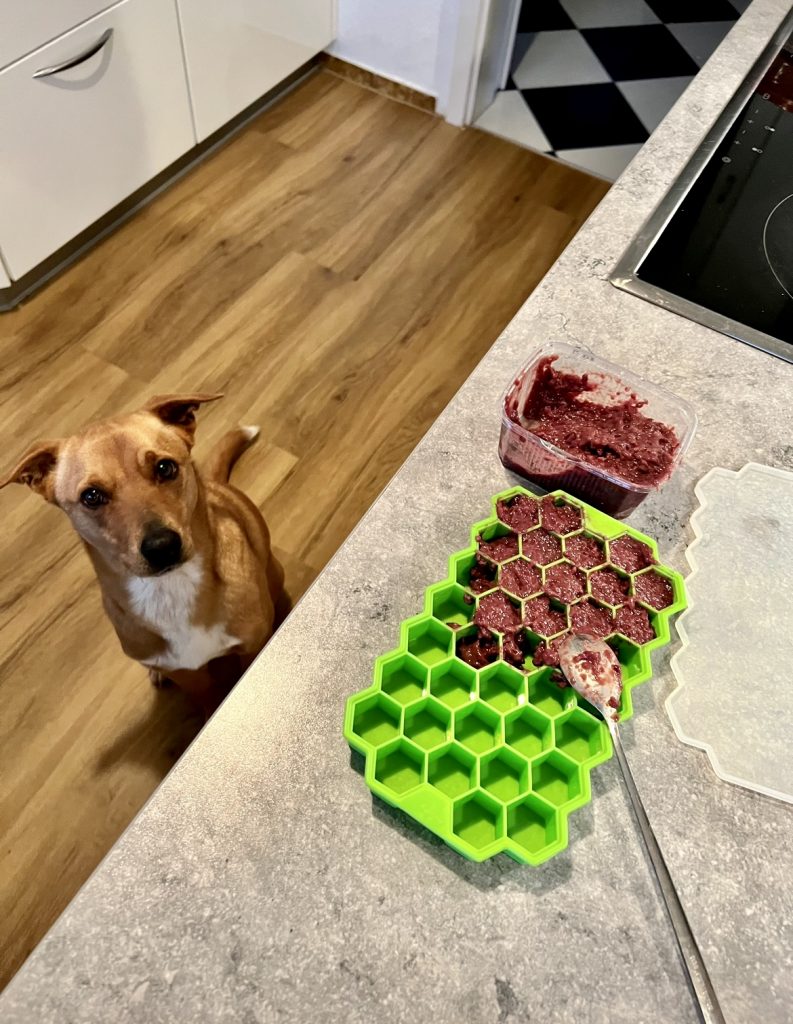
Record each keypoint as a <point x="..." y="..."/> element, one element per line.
<point x="4" y="282"/>
<point x="27" y="24"/>
<point x="237" y="50"/>
<point x="75" y="142"/>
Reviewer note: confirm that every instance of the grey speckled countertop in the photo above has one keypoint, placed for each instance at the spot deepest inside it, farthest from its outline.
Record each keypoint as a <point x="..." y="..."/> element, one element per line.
<point x="263" y="883"/>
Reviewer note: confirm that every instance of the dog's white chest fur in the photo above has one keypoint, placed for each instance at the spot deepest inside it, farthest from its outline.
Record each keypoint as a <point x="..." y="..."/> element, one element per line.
<point x="166" y="604"/>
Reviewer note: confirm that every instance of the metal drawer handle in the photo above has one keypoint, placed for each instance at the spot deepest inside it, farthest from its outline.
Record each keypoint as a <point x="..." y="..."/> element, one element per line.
<point x="72" y="62"/>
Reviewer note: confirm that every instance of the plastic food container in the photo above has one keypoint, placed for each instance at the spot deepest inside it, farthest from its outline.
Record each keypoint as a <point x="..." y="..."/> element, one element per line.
<point x="543" y="463"/>
<point x="494" y="759"/>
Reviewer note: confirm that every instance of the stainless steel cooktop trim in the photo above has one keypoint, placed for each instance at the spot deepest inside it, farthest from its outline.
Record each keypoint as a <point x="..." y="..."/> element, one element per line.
<point x="624" y="274"/>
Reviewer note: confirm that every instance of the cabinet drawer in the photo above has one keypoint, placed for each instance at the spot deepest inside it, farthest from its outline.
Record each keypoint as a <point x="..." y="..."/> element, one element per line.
<point x="27" y="24"/>
<point x="236" y="50"/>
<point x="76" y="142"/>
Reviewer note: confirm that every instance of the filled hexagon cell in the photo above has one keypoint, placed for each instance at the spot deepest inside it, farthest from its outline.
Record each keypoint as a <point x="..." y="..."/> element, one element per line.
<point x="376" y="719"/>
<point x="402" y="677"/>
<point x="477" y="647"/>
<point x="450" y="604"/>
<point x="591" y="618"/>
<point x="556" y="778"/>
<point x="504" y="775"/>
<point x="533" y="825"/>
<point x="529" y="731"/>
<point x="633" y="622"/>
<point x="471" y="570"/>
<point x="478" y="820"/>
<point x="630" y="554"/>
<point x="564" y="582"/>
<point x="520" y="577"/>
<point x="497" y="613"/>
<point x="541" y="547"/>
<point x="543" y="617"/>
<point x="452" y="770"/>
<point x="585" y="550"/>
<point x="502" y="686"/>
<point x="399" y="766"/>
<point x="498" y="543"/>
<point x="453" y="683"/>
<point x="429" y="640"/>
<point x="520" y="512"/>
<point x="653" y="589"/>
<point x="427" y="723"/>
<point x="609" y="586"/>
<point x="581" y="736"/>
<point x="477" y="727"/>
<point x="560" y="516"/>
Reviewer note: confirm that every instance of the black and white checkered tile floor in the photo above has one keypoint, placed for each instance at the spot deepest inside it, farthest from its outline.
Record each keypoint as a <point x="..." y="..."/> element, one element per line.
<point x="591" y="79"/>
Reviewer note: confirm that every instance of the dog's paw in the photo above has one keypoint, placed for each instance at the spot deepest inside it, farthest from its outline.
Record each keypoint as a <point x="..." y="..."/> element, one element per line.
<point x="158" y="680"/>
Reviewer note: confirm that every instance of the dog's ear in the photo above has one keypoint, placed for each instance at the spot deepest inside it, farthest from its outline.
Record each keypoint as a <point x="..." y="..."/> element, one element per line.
<point x="179" y="411"/>
<point x="35" y="469"/>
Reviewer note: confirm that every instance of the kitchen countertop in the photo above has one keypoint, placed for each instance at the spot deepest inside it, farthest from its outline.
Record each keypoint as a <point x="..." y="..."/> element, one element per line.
<point x="263" y="882"/>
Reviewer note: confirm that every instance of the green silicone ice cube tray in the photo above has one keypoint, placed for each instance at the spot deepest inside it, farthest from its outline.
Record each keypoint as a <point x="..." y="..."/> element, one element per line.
<point x="494" y="759"/>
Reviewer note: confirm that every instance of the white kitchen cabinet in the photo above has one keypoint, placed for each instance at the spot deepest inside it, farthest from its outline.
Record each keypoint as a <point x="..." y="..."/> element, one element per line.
<point x="4" y="281"/>
<point x="236" y="50"/>
<point x="27" y="24"/>
<point x="75" y="142"/>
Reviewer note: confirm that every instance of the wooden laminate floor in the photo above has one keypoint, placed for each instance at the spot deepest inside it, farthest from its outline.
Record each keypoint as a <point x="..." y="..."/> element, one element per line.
<point x="337" y="270"/>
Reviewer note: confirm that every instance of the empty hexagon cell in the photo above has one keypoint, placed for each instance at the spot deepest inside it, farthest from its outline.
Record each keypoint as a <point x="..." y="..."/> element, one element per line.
<point x="585" y="550"/>
<point x="403" y="677"/>
<point x="520" y="513"/>
<point x="591" y="618"/>
<point x="477" y="648"/>
<point x="529" y="731"/>
<point x="477" y="727"/>
<point x="634" y="623"/>
<point x="399" y="767"/>
<point x="451" y="604"/>
<point x="478" y="820"/>
<point x="504" y="775"/>
<point x="541" y="547"/>
<point x="501" y="546"/>
<point x="581" y="736"/>
<point x="453" y="683"/>
<point x="564" y="582"/>
<point x="502" y="686"/>
<point x="452" y="770"/>
<point x="632" y="659"/>
<point x="429" y="640"/>
<point x="520" y="577"/>
<point x="497" y="613"/>
<point x="533" y="825"/>
<point x="653" y="589"/>
<point x="543" y="618"/>
<point x="607" y="585"/>
<point x="427" y="723"/>
<point x="556" y="779"/>
<point x="630" y="554"/>
<point x="548" y="697"/>
<point x="559" y="515"/>
<point x="376" y="719"/>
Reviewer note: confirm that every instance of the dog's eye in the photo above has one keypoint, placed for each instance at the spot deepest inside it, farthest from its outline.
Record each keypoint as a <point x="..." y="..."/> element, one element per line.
<point x="92" y="497"/>
<point x="166" y="469"/>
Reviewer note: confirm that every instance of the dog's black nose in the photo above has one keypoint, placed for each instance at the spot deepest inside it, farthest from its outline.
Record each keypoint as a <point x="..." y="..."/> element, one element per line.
<point x="161" y="547"/>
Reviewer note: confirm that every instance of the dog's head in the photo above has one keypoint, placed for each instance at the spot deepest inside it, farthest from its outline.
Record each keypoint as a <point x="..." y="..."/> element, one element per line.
<point x="128" y="485"/>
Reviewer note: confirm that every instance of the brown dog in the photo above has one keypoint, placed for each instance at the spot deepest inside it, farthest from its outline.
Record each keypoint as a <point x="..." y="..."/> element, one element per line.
<point x="183" y="559"/>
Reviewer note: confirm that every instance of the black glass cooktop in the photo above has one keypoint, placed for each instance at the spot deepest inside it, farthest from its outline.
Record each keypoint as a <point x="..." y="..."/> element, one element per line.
<point x="723" y="254"/>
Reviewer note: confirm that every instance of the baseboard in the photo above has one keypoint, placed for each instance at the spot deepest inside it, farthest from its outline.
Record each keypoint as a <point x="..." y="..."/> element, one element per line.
<point x="36" y="278"/>
<point x="378" y="83"/>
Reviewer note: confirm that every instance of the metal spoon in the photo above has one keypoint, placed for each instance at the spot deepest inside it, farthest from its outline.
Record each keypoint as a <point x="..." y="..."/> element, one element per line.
<point x="592" y="669"/>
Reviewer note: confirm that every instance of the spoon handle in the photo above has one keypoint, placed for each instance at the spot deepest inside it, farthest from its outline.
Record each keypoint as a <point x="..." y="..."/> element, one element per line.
<point x="698" y="976"/>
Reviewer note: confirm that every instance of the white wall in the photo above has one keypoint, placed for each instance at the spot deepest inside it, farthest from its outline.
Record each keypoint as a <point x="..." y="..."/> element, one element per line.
<point x="394" y="38"/>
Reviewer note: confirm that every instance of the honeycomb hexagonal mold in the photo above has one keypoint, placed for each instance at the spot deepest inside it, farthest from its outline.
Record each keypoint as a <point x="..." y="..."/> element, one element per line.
<point x="466" y="726"/>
